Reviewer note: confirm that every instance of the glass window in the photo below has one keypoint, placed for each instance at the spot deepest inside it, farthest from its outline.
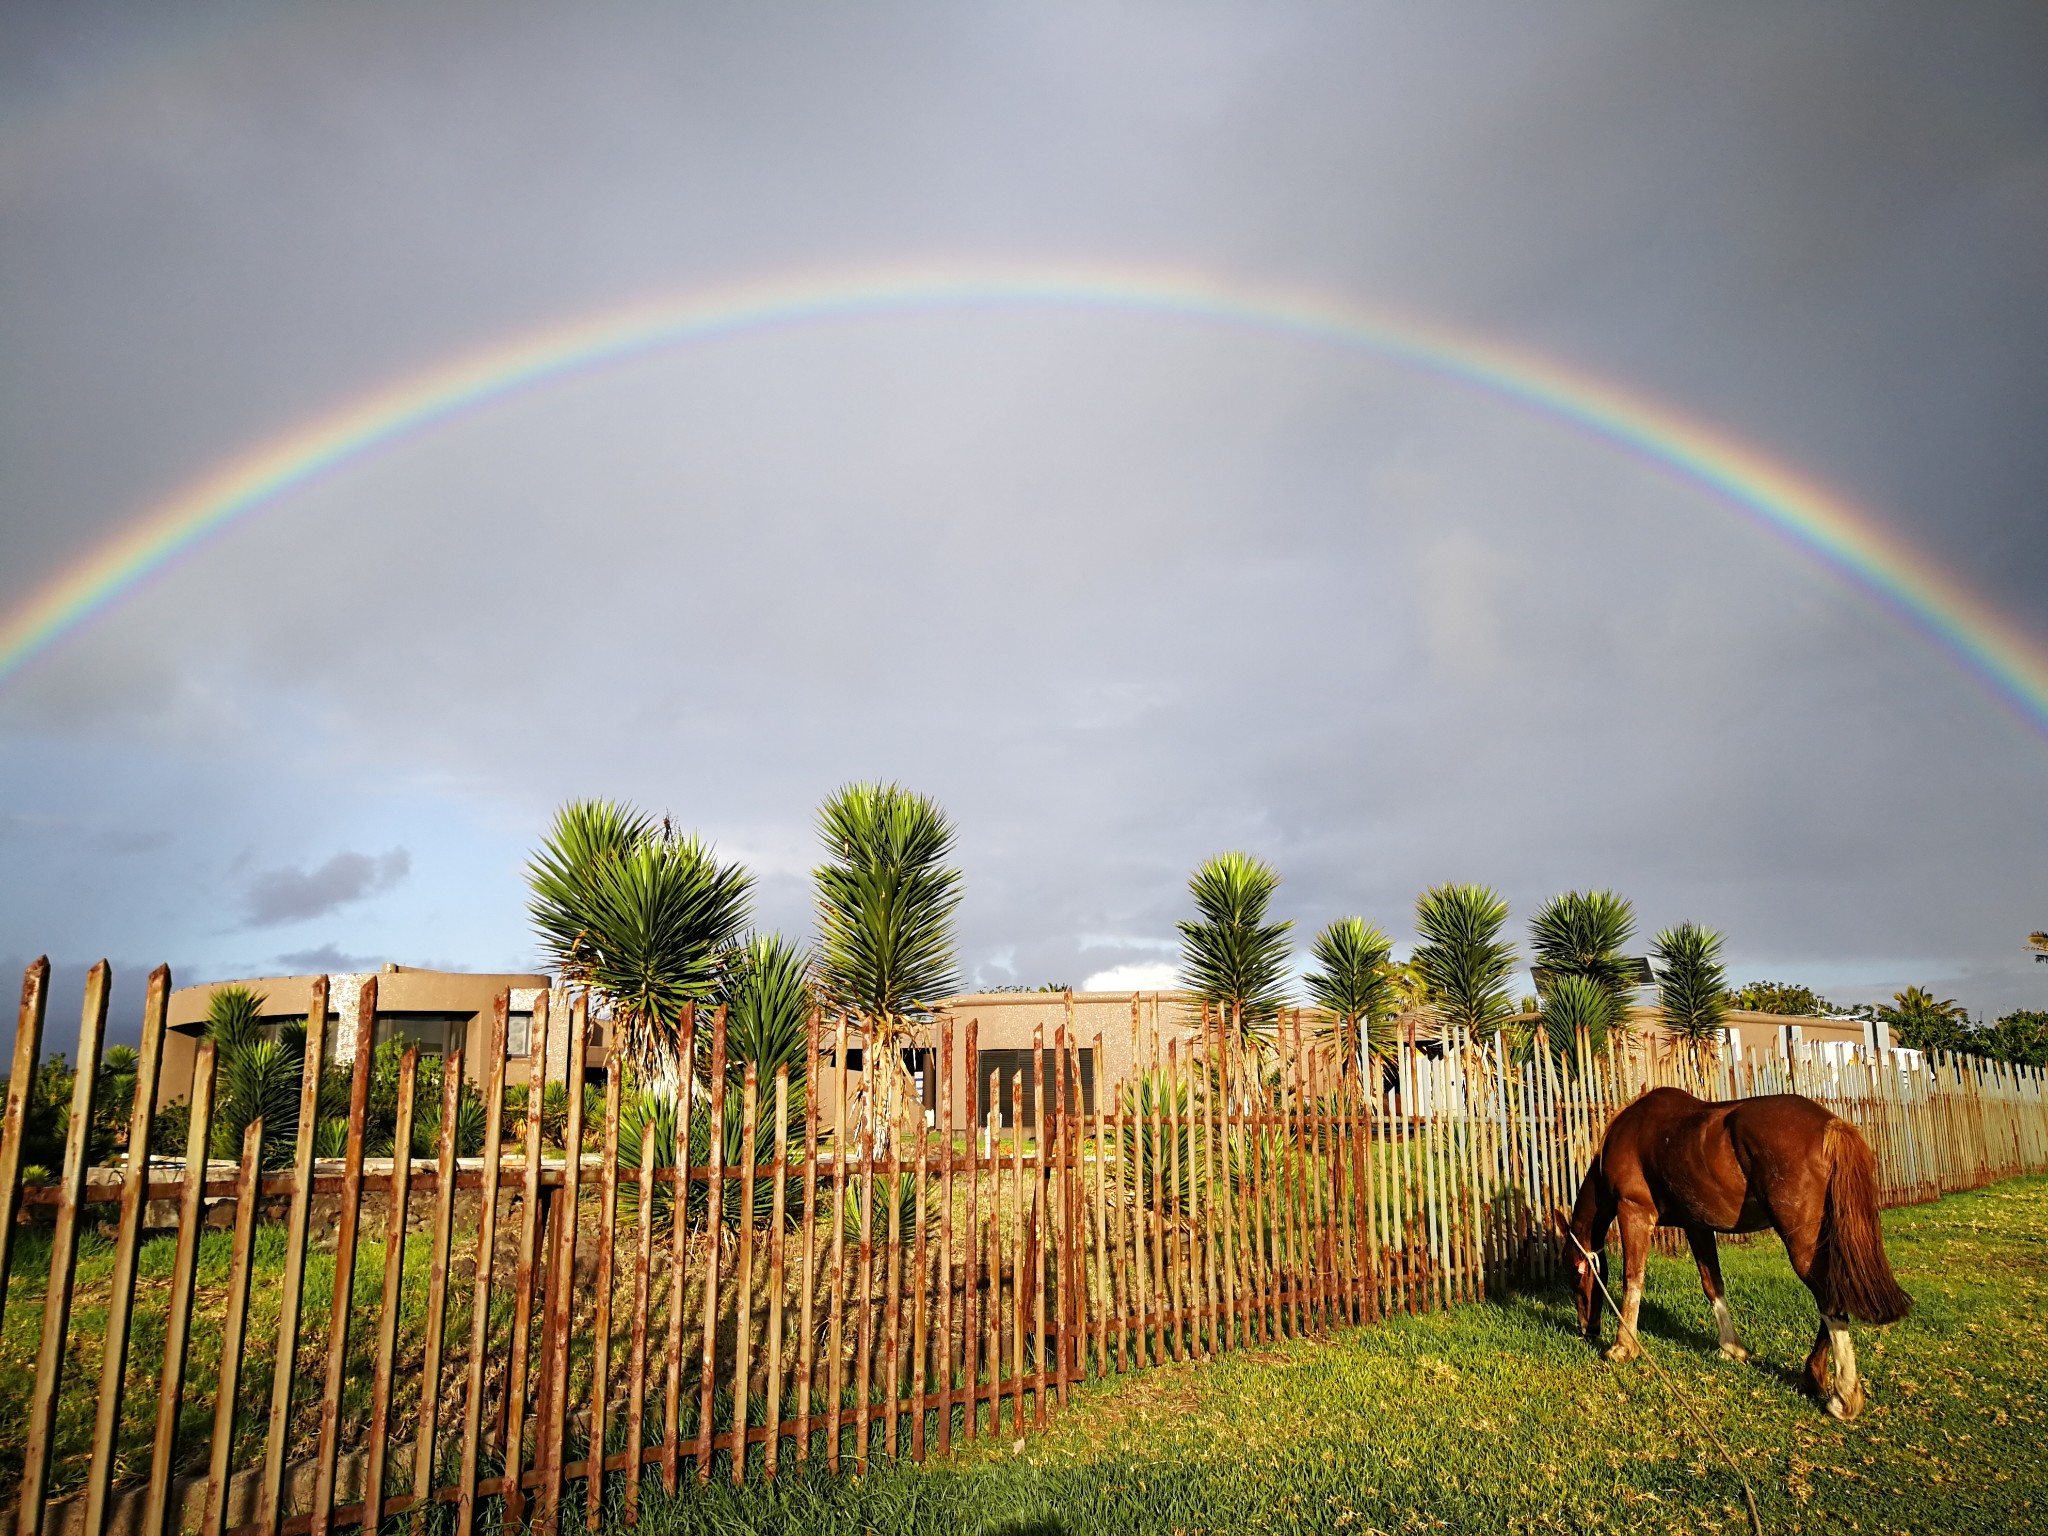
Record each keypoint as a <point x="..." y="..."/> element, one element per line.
<point x="436" y="1034"/>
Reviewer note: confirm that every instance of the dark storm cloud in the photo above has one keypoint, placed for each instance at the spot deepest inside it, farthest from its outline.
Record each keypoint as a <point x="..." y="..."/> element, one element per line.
<point x="325" y="960"/>
<point x="1122" y="592"/>
<point x="291" y="895"/>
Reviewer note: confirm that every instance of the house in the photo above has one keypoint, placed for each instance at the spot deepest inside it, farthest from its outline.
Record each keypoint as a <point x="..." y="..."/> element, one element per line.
<point x="438" y="1011"/>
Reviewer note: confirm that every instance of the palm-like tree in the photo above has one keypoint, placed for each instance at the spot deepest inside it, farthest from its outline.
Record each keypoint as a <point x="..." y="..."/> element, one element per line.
<point x="1463" y="960"/>
<point x="1410" y="989"/>
<point x="886" y="899"/>
<point x="1232" y="957"/>
<point x="1583" y="933"/>
<point x="1574" y="1007"/>
<point x="256" y="1078"/>
<point x="766" y="988"/>
<point x="1927" y="1023"/>
<point x="1352" y="985"/>
<point x="639" y="914"/>
<point x="1691" y="985"/>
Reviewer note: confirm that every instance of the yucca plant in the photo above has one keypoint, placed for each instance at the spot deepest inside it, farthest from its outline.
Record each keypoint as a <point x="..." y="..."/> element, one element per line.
<point x="1583" y="933"/>
<point x="639" y="914"/>
<point x="1691" y="985"/>
<point x="656" y="1113"/>
<point x="1575" y="1006"/>
<point x="259" y="1081"/>
<point x="886" y="899"/>
<point x="1146" y="1143"/>
<point x="1462" y="960"/>
<point x="1353" y="987"/>
<point x="908" y="1196"/>
<point x="765" y="984"/>
<point x="1232" y="958"/>
<point x="470" y="1117"/>
<point x="254" y="1077"/>
<point x="113" y="1102"/>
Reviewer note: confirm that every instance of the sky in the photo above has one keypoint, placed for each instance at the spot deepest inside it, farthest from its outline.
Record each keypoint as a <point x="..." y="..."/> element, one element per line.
<point x="1121" y="589"/>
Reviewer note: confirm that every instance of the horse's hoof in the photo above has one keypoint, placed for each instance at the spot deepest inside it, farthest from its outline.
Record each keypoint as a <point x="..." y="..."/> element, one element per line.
<point x="1845" y="1408"/>
<point x="1620" y="1354"/>
<point x="1735" y="1352"/>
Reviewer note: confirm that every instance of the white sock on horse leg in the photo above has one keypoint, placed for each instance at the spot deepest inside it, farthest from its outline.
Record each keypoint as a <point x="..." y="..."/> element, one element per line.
<point x="1724" y="1320"/>
<point x="1631" y="1307"/>
<point x="1845" y="1397"/>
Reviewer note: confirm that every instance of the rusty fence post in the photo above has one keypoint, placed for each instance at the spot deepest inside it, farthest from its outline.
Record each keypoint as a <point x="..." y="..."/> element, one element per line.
<point x="170" y="1397"/>
<point x="49" y="1378"/>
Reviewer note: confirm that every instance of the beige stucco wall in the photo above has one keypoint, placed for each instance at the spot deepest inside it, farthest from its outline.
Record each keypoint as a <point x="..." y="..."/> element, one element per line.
<point x="400" y="989"/>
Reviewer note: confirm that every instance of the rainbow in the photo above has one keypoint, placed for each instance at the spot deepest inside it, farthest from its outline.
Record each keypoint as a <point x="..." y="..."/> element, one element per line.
<point x="2007" y="660"/>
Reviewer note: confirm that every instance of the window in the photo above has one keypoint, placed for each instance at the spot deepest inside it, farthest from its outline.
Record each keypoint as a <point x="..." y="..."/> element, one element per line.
<point x="519" y="1033"/>
<point x="436" y="1034"/>
<point x="1021" y="1066"/>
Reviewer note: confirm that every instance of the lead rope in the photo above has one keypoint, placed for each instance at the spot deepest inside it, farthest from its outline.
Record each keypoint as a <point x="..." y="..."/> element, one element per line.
<point x="1756" y="1522"/>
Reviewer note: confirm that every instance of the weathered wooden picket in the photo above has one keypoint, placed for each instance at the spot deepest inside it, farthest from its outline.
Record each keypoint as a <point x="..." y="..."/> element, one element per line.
<point x="592" y="1324"/>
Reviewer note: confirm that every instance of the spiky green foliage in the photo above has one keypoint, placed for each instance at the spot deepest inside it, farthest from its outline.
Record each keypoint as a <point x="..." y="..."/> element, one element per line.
<point x="1352" y="984"/>
<point x="656" y="1114"/>
<point x="638" y="913"/>
<point x="1462" y="959"/>
<point x="256" y="1077"/>
<point x="1575" y="1007"/>
<point x="258" y="1080"/>
<point x="234" y="1016"/>
<point x="1232" y="958"/>
<point x="1155" y="1114"/>
<point x="906" y="1193"/>
<point x="886" y="899"/>
<point x="113" y="1102"/>
<point x="1691" y="984"/>
<point x="1583" y="933"/>
<point x="766" y="987"/>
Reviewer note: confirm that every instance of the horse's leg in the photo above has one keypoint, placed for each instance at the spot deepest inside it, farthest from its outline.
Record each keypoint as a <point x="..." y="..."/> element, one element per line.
<point x="1831" y="1368"/>
<point x="1846" y="1400"/>
<point x="1636" y="1225"/>
<point x="1708" y="1257"/>
<point x="1603" y="1223"/>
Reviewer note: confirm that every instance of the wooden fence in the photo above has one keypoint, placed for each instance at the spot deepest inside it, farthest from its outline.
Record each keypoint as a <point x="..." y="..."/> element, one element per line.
<point x="841" y="1291"/>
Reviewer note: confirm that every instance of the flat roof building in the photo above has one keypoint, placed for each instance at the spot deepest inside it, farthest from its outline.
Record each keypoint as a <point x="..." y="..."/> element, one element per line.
<point x="438" y="1011"/>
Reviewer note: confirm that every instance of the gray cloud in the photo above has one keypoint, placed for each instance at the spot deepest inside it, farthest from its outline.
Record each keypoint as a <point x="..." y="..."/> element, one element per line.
<point x="292" y="895"/>
<point x="324" y="960"/>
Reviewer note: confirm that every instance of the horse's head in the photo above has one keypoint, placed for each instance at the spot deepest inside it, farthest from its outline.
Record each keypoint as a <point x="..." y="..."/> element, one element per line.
<point x="1585" y="1291"/>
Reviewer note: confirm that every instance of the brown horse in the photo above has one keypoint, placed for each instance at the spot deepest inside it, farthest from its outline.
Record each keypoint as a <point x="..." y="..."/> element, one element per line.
<point x="1671" y="1160"/>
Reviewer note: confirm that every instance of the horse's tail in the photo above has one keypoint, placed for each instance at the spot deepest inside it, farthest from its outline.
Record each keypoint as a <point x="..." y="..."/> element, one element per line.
<point x="1859" y="1276"/>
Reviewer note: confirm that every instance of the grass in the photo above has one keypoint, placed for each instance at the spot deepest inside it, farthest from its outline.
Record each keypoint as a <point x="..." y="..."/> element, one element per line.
<point x="1497" y="1418"/>
<point x="20" y="1330"/>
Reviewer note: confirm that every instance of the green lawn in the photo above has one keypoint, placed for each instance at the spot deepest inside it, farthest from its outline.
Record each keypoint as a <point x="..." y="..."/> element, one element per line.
<point x="1496" y="1418"/>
